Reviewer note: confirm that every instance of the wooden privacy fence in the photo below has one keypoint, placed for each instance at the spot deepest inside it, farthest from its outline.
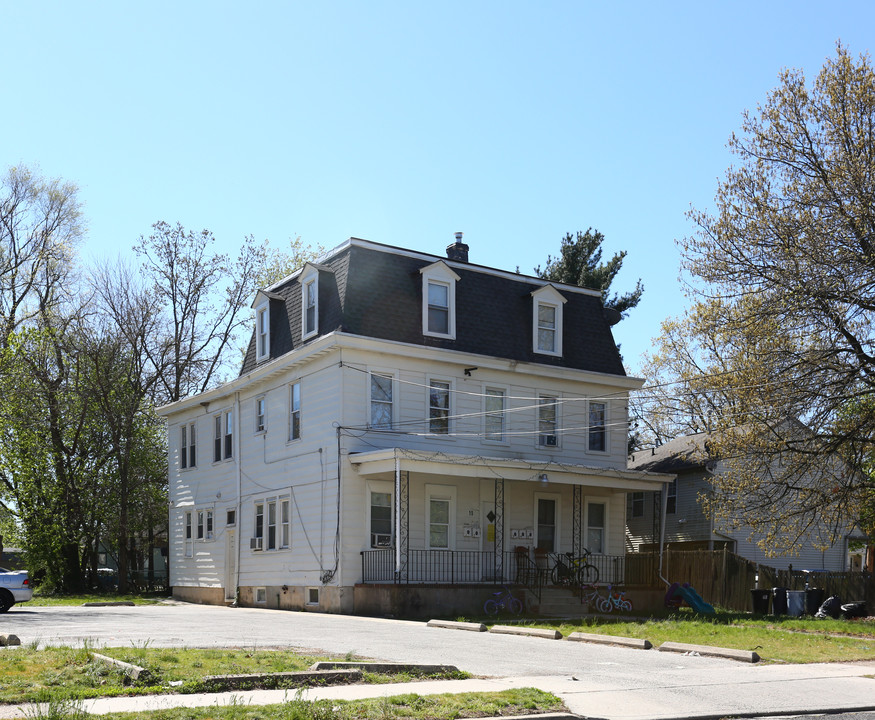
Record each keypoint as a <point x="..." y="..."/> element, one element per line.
<point x="725" y="579"/>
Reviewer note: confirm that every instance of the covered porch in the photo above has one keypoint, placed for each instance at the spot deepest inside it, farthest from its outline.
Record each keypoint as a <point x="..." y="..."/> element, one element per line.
<point x="461" y="519"/>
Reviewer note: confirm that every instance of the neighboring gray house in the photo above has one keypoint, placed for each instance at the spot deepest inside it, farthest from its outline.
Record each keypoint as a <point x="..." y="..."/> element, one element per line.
<point x="402" y="423"/>
<point x="686" y="524"/>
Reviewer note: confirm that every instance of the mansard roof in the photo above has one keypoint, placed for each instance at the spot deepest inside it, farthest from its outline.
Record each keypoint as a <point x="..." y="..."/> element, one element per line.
<point x="375" y="290"/>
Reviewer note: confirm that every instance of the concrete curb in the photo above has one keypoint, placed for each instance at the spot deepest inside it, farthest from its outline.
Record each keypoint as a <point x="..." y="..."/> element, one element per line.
<point x="635" y="643"/>
<point x="120" y="603"/>
<point x="224" y="683"/>
<point x="453" y="625"/>
<point x="135" y="672"/>
<point x="387" y="668"/>
<point x="748" y="656"/>
<point x="532" y="632"/>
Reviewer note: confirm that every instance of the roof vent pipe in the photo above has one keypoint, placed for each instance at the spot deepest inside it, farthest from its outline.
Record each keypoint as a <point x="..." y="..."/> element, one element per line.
<point x="458" y="250"/>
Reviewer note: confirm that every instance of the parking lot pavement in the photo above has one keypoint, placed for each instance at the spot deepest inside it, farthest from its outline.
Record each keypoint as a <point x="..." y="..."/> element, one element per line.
<point x="600" y="681"/>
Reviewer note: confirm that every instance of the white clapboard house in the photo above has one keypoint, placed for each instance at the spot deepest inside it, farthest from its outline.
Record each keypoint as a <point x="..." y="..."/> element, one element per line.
<point x="406" y="431"/>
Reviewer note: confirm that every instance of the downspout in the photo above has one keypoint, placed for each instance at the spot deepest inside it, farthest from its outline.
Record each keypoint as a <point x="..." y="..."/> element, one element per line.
<point x="397" y="515"/>
<point x="662" y="532"/>
<point x="237" y="511"/>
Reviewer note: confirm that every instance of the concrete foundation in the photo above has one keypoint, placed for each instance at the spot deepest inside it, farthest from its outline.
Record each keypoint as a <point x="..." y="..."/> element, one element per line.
<point x="199" y="595"/>
<point x="422" y="601"/>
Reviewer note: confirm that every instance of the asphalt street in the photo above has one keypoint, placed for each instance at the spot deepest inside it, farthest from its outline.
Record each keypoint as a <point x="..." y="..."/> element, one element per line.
<point x="593" y="680"/>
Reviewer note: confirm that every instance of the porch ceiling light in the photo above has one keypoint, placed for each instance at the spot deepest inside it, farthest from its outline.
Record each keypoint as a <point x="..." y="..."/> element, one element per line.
<point x="543" y="477"/>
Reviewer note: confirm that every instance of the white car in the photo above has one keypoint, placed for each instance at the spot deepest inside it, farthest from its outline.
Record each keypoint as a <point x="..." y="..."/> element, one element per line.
<point x="14" y="588"/>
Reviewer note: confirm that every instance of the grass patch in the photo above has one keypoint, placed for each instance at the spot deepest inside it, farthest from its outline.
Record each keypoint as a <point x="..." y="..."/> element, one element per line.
<point x="72" y="673"/>
<point x="52" y="600"/>
<point x="519" y="701"/>
<point x="775" y="639"/>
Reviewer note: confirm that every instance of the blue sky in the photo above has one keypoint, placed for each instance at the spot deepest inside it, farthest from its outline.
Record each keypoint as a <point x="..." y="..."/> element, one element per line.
<point x="405" y="122"/>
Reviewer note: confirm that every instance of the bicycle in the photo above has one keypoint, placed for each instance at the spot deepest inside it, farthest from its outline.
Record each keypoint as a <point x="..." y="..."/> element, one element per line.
<point x="619" y="600"/>
<point x="590" y="595"/>
<point x="503" y="600"/>
<point x="575" y="571"/>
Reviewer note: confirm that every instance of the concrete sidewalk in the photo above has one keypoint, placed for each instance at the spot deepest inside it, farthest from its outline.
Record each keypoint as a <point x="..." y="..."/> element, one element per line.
<point x="769" y="691"/>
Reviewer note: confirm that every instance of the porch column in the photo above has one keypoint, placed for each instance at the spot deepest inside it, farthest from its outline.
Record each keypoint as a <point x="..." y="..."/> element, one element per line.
<point x="499" y="528"/>
<point x="402" y="522"/>
<point x="577" y="521"/>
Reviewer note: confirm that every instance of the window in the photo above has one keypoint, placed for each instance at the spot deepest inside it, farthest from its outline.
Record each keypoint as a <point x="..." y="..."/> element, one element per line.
<point x="439" y="407"/>
<point x="187" y="446"/>
<point x="309" y="302"/>
<point x="595" y="527"/>
<point x="261" y="595"/>
<point x="285" y="524"/>
<point x="672" y="490"/>
<point x="262" y="332"/>
<point x="381" y="519"/>
<point x="494" y="400"/>
<point x="440" y="501"/>
<point x="260" y="409"/>
<point x="635" y="504"/>
<point x="224" y="437"/>
<point x="547" y="305"/>
<point x="188" y="531"/>
<point x="295" y="411"/>
<point x="231" y="518"/>
<point x="597" y="428"/>
<point x="258" y="537"/>
<point x="200" y="525"/>
<point x="547" y="421"/>
<point x="273" y="524"/>
<point x="312" y="596"/>
<point x="209" y="525"/>
<point x="381" y="401"/>
<point x="439" y="300"/>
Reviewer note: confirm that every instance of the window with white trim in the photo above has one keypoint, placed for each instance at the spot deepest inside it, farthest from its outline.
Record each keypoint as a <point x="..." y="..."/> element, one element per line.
<point x="439" y="300"/>
<point x="309" y="303"/>
<point x="546" y="521"/>
<point x="672" y="500"/>
<point x="494" y="400"/>
<point x="596" y="518"/>
<point x="260" y="414"/>
<point x="258" y="535"/>
<point x="635" y="504"/>
<point x="597" y="429"/>
<point x="295" y="411"/>
<point x="223" y="440"/>
<point x="439" y="407"/>
<point x="440" y="517"/>
<point x="285" y="538"/>
<point x="548" y="421"/>
<point x="262" y="331"/>
<point x="380" y="519"/>
<point x="187" y="522"/>
<point x="188" y="446"/>
<point x="547" y="305"/>
<point x="273" y="524"/>
<point x="381" y="401"/>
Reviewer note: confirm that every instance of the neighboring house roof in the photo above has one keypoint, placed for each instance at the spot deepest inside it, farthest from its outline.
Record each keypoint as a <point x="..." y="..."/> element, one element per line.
<point x="375" y="291"/>
<point x="678" y="455"/>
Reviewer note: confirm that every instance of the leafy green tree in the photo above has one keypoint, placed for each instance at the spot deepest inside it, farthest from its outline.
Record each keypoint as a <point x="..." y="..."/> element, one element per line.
<point x="580" y="263"/>
<point x="785" y="267"/>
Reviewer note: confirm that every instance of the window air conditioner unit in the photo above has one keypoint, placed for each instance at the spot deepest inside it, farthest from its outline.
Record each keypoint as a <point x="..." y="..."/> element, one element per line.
<point x="256" y="544"/>
<point x="381" y="540"/>
<point x="549" y="440"/>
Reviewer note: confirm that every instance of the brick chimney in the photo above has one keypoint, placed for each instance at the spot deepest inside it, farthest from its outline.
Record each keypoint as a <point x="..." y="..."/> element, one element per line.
<point x="458" y="250"/>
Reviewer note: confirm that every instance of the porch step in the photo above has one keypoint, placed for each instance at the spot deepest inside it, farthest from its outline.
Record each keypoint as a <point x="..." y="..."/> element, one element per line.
<point x="557" y="602"/>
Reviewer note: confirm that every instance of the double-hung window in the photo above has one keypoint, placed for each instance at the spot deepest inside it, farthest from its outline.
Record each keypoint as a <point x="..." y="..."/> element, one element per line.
<point x="188" y="534"/>
<point x="262" y="332"/>
<point x="309" y="301"/>
<point x="223" y="441"/>
<point x="494" y="407"/>
<point x="547" y="305"/>
<point x="548" y="421"/>
<point x="381" y="401"/>
<point x="260" y="413"/>
<point x="188" y="446"/>
<point x="672" y="500"/>
<point x="597" y="427"/>
<point x="258" y="535"/>
<point x="273" y="528"/>
<point x="295" y="411"/>
<point x="595" y="527"/>
<point x="381" y="519"/>
<point x="439" y="300"/>
<point x="635" y="504"/>
<point x="439" y="407"/>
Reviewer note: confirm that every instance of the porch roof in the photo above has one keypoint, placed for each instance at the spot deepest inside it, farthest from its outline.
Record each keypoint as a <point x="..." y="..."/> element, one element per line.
<point x="383" y="462"/>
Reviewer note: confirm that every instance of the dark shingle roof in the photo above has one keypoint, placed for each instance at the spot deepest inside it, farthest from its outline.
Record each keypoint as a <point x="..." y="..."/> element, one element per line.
<point x="376" y="291"/>
<point x="683" y="453"/>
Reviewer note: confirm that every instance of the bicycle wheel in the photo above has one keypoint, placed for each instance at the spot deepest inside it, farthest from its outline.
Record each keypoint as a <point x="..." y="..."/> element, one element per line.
<point x="490" y="607"/>
<point x="515" y="606"/>
<point x="626" y="605"/>
<point x="588" y="575"/>
<point x="603" y="604"/>
<point x="558" y="577"/>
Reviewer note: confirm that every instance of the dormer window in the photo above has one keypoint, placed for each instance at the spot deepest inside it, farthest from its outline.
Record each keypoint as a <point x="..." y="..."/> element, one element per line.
<point x="309" y="302"/>
<point x="439" y="300"/>
<point x="547" y="305"/>
<point x="262" y="332"/>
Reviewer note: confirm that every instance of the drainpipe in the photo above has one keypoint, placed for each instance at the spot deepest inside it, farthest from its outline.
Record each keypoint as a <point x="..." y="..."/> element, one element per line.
<point x="238" y="509"/>
<point x="662" y="532"/>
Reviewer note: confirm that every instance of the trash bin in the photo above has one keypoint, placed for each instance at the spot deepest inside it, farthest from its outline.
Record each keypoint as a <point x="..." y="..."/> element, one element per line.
<point x="760" y="600"/>
<point x="795" y="602"/>
<point x="813" y="600"/>
<point x="779" y="600"/>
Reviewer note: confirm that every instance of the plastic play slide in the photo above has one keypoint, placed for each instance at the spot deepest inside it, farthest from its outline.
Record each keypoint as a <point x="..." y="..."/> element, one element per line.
<point x="678" y="593"/>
